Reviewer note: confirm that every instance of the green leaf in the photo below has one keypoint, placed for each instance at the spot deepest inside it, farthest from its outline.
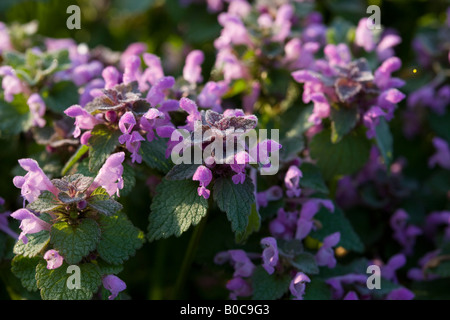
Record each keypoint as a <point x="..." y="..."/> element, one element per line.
<point x="235" y="200"/>
<point x="439" y="124"/>
<point x="107" y="268"/>
<point x="120" y="239"/>
<point x="254" y="224"/>
<point x="334" y="222"/>
<point x="384" y="140"/>
<point x="312" y="178"/>
<point x="342" y="158"/>
<point x="343" y="121"/>
<point x="101" y="201"/>
<point x="25" y="269"/>
<point x="61" y="96"/>
<point x="442" y="269"/>
<point x="306" y="263"/>
<point x="154" y="155"/>
<point x="175" y="208"/>
<point x="102" y="143"/>
<point x="317" y="289"/>
<point x="15" y="116"/>
<point x="182" y="171"/>
<point x="74" y="158"/>
<point x="129" y="179"/>
<point x="53" y="283"/>
<point x="35" y="245"/>
<point x="46" y="202"/>
<point x="74" y="242"/>
<point x="269" y="287"/>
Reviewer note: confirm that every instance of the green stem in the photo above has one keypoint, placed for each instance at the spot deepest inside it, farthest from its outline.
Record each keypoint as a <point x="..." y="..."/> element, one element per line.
<point x="189" y="258"/>
<point x="156" y="292"/>
<point x="75" y="157"/>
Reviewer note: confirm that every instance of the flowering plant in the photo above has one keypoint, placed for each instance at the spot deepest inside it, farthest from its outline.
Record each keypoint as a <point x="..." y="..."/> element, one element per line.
<point x="132" y="166"/>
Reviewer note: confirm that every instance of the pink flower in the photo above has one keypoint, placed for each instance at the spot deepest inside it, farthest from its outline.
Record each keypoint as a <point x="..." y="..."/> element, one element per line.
<point x="325" y="255"/>
<point x="204" y="175"/>
<point x="34" y="181"/>
<point x="297" y="285"/>
<point x="110" y="175"/>
<point x="37" y="109"/>
<point x="270" y="254"/>
<point x="291" y="181"/>
<point x="192" y="71"/>
<point x="54" y="259"/>
<point x="83" y="119"/>
<point x="114" y="284"/>
<point x="29" y="223"/>
<point x="442" y="155"/>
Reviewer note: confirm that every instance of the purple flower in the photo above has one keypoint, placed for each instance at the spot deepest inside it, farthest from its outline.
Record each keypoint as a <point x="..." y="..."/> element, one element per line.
<point x="291" y="181"/>
<point x="442" y="155"/>
<point x="134" y="49"/>
<point x="204" y="176"/>
<point x="351" y="296"/>
<point x="4" y="226"/>
<point x="282" y="23"/>
<point x="272" y="194"/>
<point x="230" y="65"/>
<point x="156" y="94"/>
<point x="384" y="48"/>
<point x="400" y="294"/>
<point x="239" y="288"/>
<point x="325" y="255"/>
<point x="54" y="259"/>
<point x="149" y="122"/>
<point x="337" y="283"/>
<point x="211" y="94"/>
<point x="37" y="109"/>
<point x="29" y="223"/>
<point x="243" y="266"/>
<point x="383" y="77"/>
<point x="297" y="285"/>
<point x="389" y="269"/>
<point x="309" y="209"/>
<point x="270" y="254"/>
<point x="131" y="72"/>
<point x="192" y="71"/>
<point x="403" y="233"/>
<point x="154" y="72"/>
<point x="11" y="84"/>
<point x="364" y="37"/>
<point x="83" y="119"/>
<point x="233" y="32"/>
<point x="34" y="181"/>
<point x="86" y="72"/>
<point x="114" y="284"/>
<point x="110" y="175"/>
<point x="111" y="76"/>
<point x="284" y="225"/>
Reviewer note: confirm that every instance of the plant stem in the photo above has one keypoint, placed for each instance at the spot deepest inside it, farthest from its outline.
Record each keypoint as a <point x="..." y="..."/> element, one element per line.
<point x="189" y="257"/>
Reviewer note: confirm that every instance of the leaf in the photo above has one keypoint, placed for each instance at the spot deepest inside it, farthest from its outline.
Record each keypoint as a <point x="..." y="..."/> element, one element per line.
<point x="306" y="263"/>
<point x="175" y="208"/>
<point x="269" y="287"/>
<point x="46" y="202"/>
<point x="254" y="224"/>
<point x="25" y="269"/>
<point x="60" y="96"/>
<point x="154" y="155"/>
<point x="120" y="239"/>
<point x="129" y="179"/>
<point x="334" y="222"/>
<point x="15" y="116"/>
<point x="343" y="121"/>
<point x="384" y="140"/>
<point x="312" y="178"/>
<point x="74" y="242"/>
<point x="101" y="201"/>
<point x="342" y="158"/>
<point x="346" y="88"/>
<point x="102" y="143"/>
<point x="235" y="200"/>
<point x="317" y="289"/>
<point x="35" y="245"/>
<point x="74" y="158"/>
<point x="53" y="283"/>
<point x="182" y="171"/>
